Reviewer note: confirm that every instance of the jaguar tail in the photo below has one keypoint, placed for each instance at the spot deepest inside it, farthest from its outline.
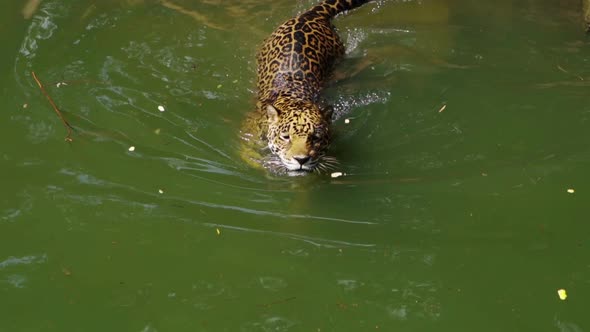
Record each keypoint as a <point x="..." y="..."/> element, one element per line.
<point x="331" y="8"/>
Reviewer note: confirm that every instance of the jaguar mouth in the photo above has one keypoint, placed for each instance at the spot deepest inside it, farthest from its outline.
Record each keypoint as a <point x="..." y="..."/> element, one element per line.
<point x="299" y="172"/>
<point x="278" y="166"/>
<point x="300" y="168"/>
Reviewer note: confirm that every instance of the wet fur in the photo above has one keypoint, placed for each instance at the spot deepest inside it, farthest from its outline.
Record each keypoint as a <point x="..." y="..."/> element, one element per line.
<point x="293" y="65"/>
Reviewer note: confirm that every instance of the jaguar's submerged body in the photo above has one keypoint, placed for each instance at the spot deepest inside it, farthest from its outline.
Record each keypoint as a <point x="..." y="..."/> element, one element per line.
<point x="293" y="65"/>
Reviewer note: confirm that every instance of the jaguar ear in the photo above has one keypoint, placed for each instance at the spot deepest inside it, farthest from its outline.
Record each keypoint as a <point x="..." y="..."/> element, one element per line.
<point x="272" y="114"/>
<point x="328" y="111"/>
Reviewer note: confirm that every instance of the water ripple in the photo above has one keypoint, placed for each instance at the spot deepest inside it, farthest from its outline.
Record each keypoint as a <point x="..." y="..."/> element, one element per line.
<point x="25" y="260"/>
<point x="315" y="241"/>
<point x="42" y="27"/>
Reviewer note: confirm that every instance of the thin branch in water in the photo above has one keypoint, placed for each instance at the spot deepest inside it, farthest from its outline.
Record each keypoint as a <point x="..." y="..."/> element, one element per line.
<point x="196" y="15"/>
<point x="59" y="114"/>
<point x="567" y="72"/>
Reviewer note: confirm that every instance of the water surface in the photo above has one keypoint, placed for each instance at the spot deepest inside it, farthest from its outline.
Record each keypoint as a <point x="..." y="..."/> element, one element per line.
<point x="467" y="125"/>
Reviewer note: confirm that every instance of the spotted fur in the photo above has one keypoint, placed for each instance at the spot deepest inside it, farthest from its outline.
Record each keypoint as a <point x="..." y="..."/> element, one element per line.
<point x="293" y="65"/>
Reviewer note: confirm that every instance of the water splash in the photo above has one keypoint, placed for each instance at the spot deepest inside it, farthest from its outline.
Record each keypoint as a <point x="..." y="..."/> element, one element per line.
<point x="346" y="103"/>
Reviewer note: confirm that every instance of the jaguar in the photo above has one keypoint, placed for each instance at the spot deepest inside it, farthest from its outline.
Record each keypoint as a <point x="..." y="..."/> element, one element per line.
<point x="293" y="65"/>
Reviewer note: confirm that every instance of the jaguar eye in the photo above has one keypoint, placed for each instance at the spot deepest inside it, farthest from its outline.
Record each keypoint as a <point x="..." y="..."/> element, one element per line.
<point x="285" y="137"/>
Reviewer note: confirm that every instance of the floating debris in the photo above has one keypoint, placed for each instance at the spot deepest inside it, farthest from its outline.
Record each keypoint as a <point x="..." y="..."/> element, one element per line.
<point x="347" y="121"/>
<point x="61" y="83"/>
<point x="219" y="86"/>
<point x="337" y="174"/>
<point x="161" y="108"/>
<point x="442" y="108"/>
<point x="157" y="131"/>
<point x="160" y="191"/>
<point x="218" y="231"/>
<point x="571" y="191"/>
<point x="131" y="148"/>
<point x="30" y="8"/>
<point x="57" y="111"/>
<point x="562" y="294"/>
<point x="25" y="105"/>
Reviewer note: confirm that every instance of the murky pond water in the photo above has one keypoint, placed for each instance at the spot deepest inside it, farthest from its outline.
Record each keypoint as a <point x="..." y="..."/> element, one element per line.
<point x="459" y="141"/>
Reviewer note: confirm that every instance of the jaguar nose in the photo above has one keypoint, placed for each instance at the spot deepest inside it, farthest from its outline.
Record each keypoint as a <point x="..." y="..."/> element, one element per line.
<point x="302" y="160"/>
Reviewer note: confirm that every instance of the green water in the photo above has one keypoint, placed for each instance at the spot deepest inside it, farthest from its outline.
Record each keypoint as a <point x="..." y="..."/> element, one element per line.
<point x="452" y="220"/>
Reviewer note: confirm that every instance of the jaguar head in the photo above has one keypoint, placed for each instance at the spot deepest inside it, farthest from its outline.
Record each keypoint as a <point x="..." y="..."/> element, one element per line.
<point x="298" y="134"/>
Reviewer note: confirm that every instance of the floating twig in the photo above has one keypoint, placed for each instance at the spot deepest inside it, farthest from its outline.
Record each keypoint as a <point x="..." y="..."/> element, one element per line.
<point x="567" y="72"/>
<point x="59" y="114"/>
<point x="196" y="15"/>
